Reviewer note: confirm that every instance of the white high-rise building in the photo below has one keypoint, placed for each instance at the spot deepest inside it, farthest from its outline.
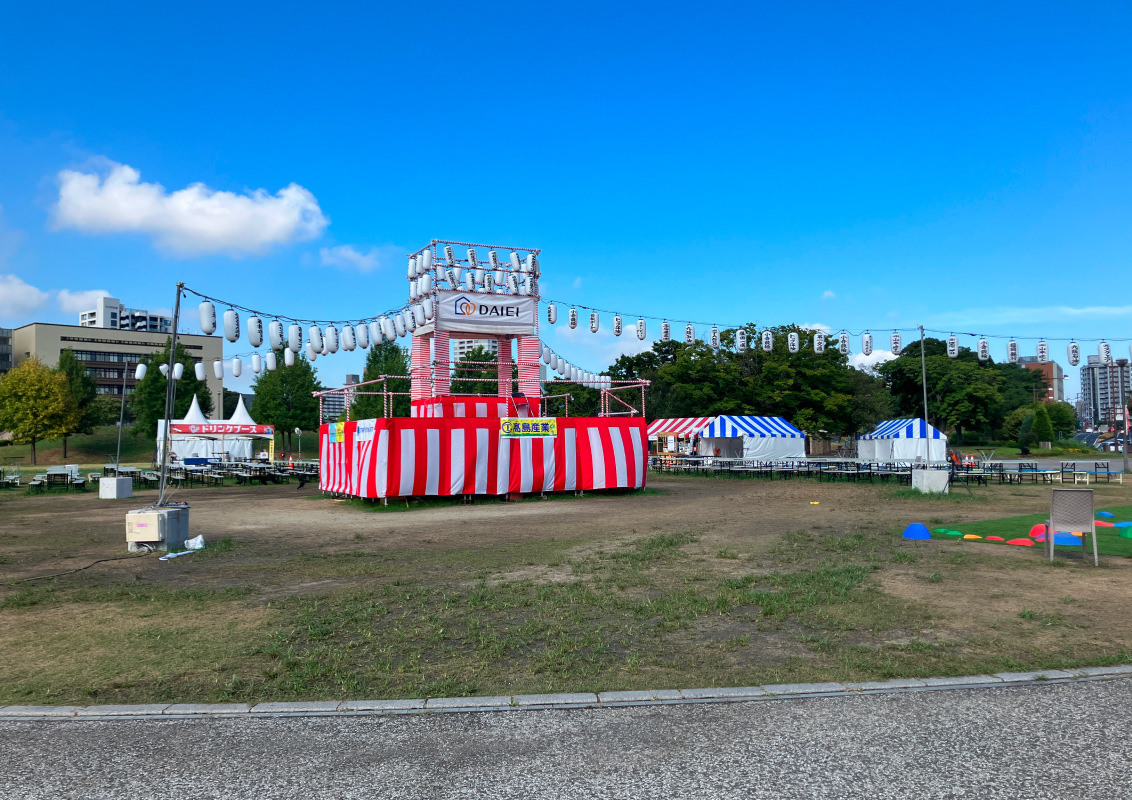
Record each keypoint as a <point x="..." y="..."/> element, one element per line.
<point x="461" y="347"/>
<point x="109" y="312"/>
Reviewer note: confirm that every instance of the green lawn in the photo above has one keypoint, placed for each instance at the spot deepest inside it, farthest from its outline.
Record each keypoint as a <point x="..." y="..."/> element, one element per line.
<point x="1108" y="541"/>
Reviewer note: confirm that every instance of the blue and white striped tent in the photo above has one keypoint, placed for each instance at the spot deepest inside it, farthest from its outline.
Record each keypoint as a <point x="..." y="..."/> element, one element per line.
<point x="902" y="440"/>
<point x="765" y="438"/>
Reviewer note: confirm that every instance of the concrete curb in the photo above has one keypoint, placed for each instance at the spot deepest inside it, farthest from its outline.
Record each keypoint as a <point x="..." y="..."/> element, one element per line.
<point x="532" y="702"/>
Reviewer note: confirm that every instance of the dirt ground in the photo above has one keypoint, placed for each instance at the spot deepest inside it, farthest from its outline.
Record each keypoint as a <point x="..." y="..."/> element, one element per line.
<point x="282" y="558"/>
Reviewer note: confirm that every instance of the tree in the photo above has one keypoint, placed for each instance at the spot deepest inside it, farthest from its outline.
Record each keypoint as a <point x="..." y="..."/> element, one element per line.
<point x="107" y="409"/>
<point x="1043" y="428"/>
<point x="149" y="394"/>
<point x="231" y="400"/>
<point x="83" y="389"/>
<point x="386" y="358"/>
<point x="283" y="398"/>
<point x="1063" y="417"/>
<point x="1012" y="425"/>
<point x="1026" y="432"/>
<point x="36" y="404"/>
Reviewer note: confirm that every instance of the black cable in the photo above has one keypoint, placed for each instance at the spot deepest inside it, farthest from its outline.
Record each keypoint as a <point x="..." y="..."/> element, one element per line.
<point x="78" y="569"/>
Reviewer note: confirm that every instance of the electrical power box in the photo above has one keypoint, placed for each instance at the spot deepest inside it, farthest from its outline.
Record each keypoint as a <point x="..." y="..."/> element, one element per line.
<point x="165" y="528"/>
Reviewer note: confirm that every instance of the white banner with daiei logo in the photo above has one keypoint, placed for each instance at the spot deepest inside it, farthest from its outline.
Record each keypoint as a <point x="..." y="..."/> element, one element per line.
<point x="479" y="312"/>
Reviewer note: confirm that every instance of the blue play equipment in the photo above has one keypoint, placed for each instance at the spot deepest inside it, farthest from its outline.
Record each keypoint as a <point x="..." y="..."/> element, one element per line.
<point x="1105" y="514"/>
<point x="917" y="530"/>
<point x="1066" y="539"/>
<point x="1122" y="524"/>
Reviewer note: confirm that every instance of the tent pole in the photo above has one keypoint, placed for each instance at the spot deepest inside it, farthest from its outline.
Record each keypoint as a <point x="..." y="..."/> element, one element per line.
<point x="924" y="371"/>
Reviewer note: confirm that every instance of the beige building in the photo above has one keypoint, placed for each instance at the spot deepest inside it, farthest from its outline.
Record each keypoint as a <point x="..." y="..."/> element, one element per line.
<point x="108" y="352"/>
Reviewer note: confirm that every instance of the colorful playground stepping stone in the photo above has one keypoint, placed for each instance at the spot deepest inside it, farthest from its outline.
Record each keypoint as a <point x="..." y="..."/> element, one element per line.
<point x="1122" y="525"/>
<point x="995" y="539"/>
<point x="1022" y="542"/>
<point x="917" y="530"/>
<point x="940" y="530"/>
<point x="1102" y="524"/>
<point x="971" y="536"/>
<point x="1038" y="530"/>
<point x="1125" y="533"/>
<point x="954" y="533"/>
<point x="1066" y="539"/>
<point x="1105" y="514"/>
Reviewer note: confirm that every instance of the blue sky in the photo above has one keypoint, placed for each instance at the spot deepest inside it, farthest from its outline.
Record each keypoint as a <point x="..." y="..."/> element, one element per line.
<point x="965" y="167"/>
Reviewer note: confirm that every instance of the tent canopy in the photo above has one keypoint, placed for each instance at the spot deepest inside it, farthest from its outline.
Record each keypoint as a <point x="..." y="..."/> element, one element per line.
<point x="903" y="440"/>
<point x="903" y="429"/>
<point x="681" y="426"/>
<point x="762" y="427"/>
<point x="762" y="438"/>
<point x="213" y="440"/>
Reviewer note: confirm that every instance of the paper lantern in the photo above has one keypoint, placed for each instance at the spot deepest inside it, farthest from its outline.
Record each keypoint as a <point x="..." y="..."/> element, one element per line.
<point x="348" y="340"/>
<point x="489" y="282"/>
<point x="529" y="285"/>
<point x="843" y="343"/>
<point x="984" y="350"/>
<point x="641" y="331"/>
<point x="536" y="269"/>
<point x="429" y="306"/>
<point x="207" y="318"/>
<point x="480" y="275"/>
<point x="410" y="319"/>
<point x="399" y="324"/>
<point x="665" y="332"/>
<point x="449" y="255"/>
<point x="324" y="351"/>
<point x="412" y="290"/>
<point x="275" y="335"/>
<point x="792" y="343"/>
<point x="473" y="261"/>
<point x="312" y="354"/>
<point x="819" y="342"/>
<point x="231" y="325"/>
<point x="164" y="370"/>
<point x="1073" y="353"/>
<point x="1043" y="352"/>
<point x="515" y="262"/>
<point x="741" y="341"/>
<point x="895" y="344"/>
<point x="412" y="271"/>
<point x="199" y="371"/>
<point x="554" y="362"/>
<point x="257" y="363"/>
<point x="237" y="366"/>
<point x="573" y="318"/>
<point x="388" y="330"/>
<point x="255" y="331"/>
<point x="689" y="333"/>
<point x="551" y="313"/>
<point x="512" y="283"/>
<point x="529" y="263"/>
<point x="470" y="281"/>
<point x="218" y="368"/>
<point x="616" y="324"/>
<point x="294" y="338"/>
<point x="768" y="341"/>
<point x="493" y="259"/>
<point x="314" y="336"/>
<point x="178" y="370"/>
<point x="545" y="354"/>
<point x="330" y="340"/>
<point x="867" y="343"/>
<point x="1012" y="351"/>
<point x="419" y="315"/>
<point x="952" y="346"/>
<point x="270" y="361"/>
<point x="424" y="262"/>
<point x="1104" y="352"/>
<point x="425" y="284"/>
<point x="452" y="278"/>
<point x="595" y="322"/>
<point x="139" y="372"/>
<point x="288" y="357"/>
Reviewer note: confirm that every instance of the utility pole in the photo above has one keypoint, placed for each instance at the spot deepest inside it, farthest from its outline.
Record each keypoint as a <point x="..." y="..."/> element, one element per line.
<point x="122" y="414"/>
<point x="170" y="396"/>
<point x="924" y="372"/>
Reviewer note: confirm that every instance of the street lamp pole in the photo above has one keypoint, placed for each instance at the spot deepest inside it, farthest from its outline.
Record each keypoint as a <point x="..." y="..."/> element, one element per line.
<point x="924" y="372"/>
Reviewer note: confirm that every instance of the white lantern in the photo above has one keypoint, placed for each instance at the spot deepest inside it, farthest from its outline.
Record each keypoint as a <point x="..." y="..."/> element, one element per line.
<point x="199" y="371"/>
<point x="255" y="331"/>
<point x="665" y="332"/>
<point x="178" y="370"/>
<point x="312" y="354"/>
<point x="424" y="262"/>
<point x="1074" y="353"/>
<point x="270" y="361"/>
<point x="164" y="370"/>
<point x="218" y="368"/>
<point x="545" y="354"/>
<point x="294" y="338"/>
<point x="572" y="318"/>
<point x="768" y="341"/>
<point x="388" y="329"/>
<point x="237" y="366"/>
<point x="231" y="325"/>
<point x="793" y="342"/>
<point x="713" y="337"/>
<point x="512" y="283"/>
<point x="257" y="363"/>
<point x="429" y="306"/>
<point x="425" y="285"/>
<point x="410" y="319"/>
<point x="419" y="314"/>
<point x="1104" y="351"/>
<point x="348" y="340"/>
<point x="493" y="258"/>
<point x="473" y="259"/>
<point x="1043" y="352"/>
<point x="616" y="324"/>
<point x="953" y="346"/>
<point x="314" y="336"/>
<point x="324" y="352"/>
<point x="288" y="357"/>
<point x="529" y="263"/>
<point x="595" y="322"/>
<point x="449" y="255"/>
<point x="139" y="372"/>
<point x="412" y="271"/>
<point x="489" y="282"/>
<point x="515" y="262"/>
<point x="641" y="330"/>
<point x="741" y="341"/>
<point x="1012" y="351"/>
<point x="819" y="342"/>
<point x="330" y="340"/>
<point x="843" y="343"/>
<point x="867" y="343"/>
<point x="984" y="350"/>
<point x="207" y="318"/>
<point x="895" y="342"/>
<point x="530" y="285"/>
<point x="452" y="278"/>
<point x="551" y="313"/>
<point x="470" y="280"/>
<point x="361" y="335"/>
<point x="275" y="334"/>
<point x="412" y="290"/>
<point x="399" y="324"/>
<point x="689" y="333"/>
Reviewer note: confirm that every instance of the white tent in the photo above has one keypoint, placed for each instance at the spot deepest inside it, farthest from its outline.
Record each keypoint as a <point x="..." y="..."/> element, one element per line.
<point x="196" y="437"/>
<point x="762" y="438"/>
<point x="902" y="440"/>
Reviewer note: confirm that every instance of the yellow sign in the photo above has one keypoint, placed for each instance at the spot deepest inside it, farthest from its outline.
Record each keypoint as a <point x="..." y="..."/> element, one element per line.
<point x="512" y="428"/>
<point x="337" y="432"/>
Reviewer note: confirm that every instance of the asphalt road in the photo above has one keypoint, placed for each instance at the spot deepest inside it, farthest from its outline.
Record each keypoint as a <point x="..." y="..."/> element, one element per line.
<point x="1059" y="741"/>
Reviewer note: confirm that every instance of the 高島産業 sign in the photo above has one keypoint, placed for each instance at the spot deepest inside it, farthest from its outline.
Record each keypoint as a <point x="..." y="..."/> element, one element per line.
<point x="512" y="428"/>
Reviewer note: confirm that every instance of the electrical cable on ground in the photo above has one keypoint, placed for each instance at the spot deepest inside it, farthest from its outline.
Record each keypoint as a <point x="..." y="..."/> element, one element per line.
<point x="78" y="569"/>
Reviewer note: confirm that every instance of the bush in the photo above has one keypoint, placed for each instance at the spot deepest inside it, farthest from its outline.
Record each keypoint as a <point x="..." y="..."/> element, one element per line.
<point x="1043" y="428"/>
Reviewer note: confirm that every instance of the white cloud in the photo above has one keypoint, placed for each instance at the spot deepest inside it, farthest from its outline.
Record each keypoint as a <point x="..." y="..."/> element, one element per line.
<point x="190" y="221"/>
<point x="78" y="302"/>
<point x="818" y="326"/>
<point x="577" y="283"/>
<point x="868" y="363"/>
<point x="596" y="351"/>
<point x="346" y="255"/>
<point x="18" y="299"/>
<point x="828" y="294"/>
